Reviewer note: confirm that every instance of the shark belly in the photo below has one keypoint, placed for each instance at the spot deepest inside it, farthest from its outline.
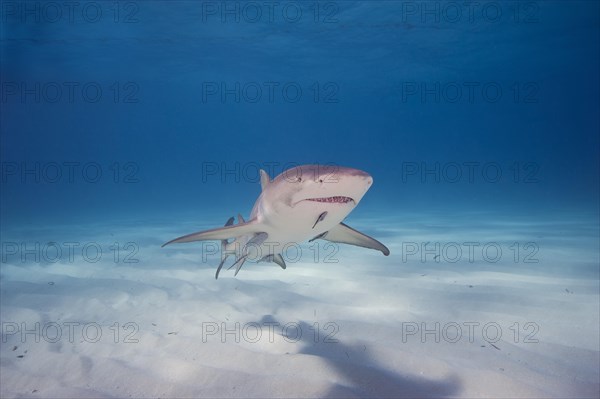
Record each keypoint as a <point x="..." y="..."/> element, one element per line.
<point x="292" y="228"/>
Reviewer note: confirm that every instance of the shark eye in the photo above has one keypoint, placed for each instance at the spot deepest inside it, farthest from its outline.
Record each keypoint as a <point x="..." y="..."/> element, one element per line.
<point x="320" y="180"/>
<point x="299" y="179"/>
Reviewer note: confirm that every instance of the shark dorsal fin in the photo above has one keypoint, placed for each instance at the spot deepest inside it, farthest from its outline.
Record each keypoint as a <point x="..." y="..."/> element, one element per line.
<point x="264" y="180"/>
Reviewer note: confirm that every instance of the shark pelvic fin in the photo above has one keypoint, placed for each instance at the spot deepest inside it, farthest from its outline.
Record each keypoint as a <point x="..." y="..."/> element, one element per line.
<point x="277" y="258"/>
<point x="220" y="266"/>
<point x="239" y="263"/>
<point x="256" y="240"/>
<point x="223" y="245"/>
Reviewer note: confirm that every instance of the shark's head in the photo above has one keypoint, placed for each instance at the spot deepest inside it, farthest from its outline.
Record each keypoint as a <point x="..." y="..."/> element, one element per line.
<point x="327" y="185"/>
<point x="313" y="189"/>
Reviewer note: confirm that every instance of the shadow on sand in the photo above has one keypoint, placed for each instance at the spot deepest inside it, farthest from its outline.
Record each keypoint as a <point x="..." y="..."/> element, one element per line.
<point x="364" y="376"/>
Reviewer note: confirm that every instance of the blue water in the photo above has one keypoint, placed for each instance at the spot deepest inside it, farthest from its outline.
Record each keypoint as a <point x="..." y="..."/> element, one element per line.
<point x="369" y="61"/>
<point x="124" y="117"/>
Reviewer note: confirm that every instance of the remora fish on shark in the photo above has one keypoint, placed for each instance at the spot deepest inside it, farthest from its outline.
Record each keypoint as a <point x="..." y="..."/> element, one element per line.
<point x="303" y="203"/>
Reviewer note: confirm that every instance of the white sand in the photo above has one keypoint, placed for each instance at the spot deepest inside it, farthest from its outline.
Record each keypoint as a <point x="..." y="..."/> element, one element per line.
<point x="367" y="302"/>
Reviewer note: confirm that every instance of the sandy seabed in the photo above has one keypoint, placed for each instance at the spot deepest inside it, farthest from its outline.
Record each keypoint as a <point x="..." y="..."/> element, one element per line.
<point x="445" y="315"/>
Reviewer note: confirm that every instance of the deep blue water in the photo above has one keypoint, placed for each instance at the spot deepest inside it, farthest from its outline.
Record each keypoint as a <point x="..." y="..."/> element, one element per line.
<point x="125" y="124"/>
<point x="493" y="108"/>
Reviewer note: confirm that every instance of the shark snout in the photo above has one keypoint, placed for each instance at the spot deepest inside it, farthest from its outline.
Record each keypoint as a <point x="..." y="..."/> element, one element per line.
<point x="368" y="182"/>
<point x="359" y="176"/>
<point x="355" y="182"/>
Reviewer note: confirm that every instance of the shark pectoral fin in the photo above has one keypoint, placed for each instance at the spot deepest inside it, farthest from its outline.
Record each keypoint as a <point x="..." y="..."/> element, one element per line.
<point x="223" y="233"/>
<point x="317" y="237"/>
<point x="345" y="234"/>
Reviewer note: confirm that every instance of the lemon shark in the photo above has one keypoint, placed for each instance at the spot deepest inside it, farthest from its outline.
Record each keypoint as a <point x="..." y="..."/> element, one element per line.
<point x="306" y="202"/>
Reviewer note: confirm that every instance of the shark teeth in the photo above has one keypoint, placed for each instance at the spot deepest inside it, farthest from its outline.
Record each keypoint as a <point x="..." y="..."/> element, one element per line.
<point x="337" y="199"/>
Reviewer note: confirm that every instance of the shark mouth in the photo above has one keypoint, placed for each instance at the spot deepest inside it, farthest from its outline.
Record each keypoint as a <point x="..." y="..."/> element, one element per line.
<point x="336" y="199"/>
